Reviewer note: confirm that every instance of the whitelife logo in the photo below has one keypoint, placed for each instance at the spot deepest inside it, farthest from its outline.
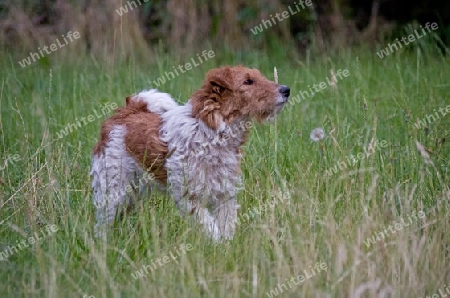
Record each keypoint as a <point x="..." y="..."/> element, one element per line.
<point x="145" y="179"/>
<point x="440" y="294"/>
<point x="435" y="117"/>
<point x="411" y="38"/>
<point x="284" y="198"/>
<point x="50" y="229"/>
<point x="187" y="66"/>
<point x="352" y="159"/>
<point x="280" y="16"/>
<point x="341" y="74"/>
<point x="397" y="225"/>
<point x="162" y="261"/>
<point x="71" y="127"/>
<point x="124" y="9"/>
<point x="9" y="159"/>
<point x="297" y="280"/>
<point x="53" y="47"/>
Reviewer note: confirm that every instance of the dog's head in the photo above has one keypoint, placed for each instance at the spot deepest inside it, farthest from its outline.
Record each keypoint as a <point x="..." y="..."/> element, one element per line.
<point x="231" y="93"/>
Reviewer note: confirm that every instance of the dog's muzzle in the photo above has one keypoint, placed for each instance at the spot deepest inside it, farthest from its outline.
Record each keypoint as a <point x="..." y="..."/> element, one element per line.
<point x="285" y="91"/>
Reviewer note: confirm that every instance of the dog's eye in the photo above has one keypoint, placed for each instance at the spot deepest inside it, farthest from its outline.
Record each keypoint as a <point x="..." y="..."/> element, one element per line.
<point x="248" y="82"/>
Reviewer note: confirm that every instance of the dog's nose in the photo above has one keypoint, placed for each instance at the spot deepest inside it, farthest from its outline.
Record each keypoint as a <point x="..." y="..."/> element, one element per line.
<point x="285" y="91"/>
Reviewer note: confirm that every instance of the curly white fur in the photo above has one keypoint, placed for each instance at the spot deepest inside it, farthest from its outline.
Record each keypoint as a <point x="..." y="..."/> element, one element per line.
<point x="203" y="161"/>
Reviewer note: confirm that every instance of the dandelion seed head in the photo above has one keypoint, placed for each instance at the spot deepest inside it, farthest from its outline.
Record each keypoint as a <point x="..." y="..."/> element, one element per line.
<point x="317" y="134"/>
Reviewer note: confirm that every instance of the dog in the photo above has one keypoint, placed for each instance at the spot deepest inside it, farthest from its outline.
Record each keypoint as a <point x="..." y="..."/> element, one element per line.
<point x="194" y="149"/>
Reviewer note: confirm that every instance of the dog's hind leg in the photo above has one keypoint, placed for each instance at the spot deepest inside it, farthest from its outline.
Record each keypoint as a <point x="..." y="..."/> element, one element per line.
<point x="112" y="173"/>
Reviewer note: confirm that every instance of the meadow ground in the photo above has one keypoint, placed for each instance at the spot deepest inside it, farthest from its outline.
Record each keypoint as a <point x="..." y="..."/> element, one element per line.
<point x="361" y="213"/>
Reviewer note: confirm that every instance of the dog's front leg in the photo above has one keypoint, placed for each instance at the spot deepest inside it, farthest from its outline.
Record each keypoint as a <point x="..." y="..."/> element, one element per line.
<point x="225" y="215"/>
<point x="204" y="217"/>
<point x="199" y="213"/>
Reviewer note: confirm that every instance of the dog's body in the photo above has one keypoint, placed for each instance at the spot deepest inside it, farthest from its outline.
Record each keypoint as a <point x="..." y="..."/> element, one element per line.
<point x="194" y="149"/>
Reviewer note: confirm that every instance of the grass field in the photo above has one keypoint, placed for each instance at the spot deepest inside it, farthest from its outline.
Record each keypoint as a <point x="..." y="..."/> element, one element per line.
<point x="315" y="222"/>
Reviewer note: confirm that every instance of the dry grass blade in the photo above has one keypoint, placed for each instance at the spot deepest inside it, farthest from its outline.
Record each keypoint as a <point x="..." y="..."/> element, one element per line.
<point x="423" y="152"/>
<point x="333" y="80"/>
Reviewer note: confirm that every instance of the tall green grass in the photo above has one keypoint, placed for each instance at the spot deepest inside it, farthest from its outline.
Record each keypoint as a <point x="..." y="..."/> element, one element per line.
<point x="325" y="219"/>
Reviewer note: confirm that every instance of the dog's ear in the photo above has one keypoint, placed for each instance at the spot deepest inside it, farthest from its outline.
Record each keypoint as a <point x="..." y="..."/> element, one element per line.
<point x="128" y="100"/>
<point x="216" y="87"/>
<point x="207" y="101"/>
<point x="218" y="79"/>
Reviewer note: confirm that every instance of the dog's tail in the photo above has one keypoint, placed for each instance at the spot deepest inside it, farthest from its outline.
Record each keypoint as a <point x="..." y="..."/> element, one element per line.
<point x="157" y="102"/>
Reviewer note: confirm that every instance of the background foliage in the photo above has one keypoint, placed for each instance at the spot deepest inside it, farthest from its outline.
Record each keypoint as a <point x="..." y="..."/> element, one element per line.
<point x="185" y="25"/>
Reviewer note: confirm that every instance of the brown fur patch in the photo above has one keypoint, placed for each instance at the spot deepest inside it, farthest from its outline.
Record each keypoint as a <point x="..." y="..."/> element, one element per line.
<point x="143" y="143"/>
<point x="142" y="134"/>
